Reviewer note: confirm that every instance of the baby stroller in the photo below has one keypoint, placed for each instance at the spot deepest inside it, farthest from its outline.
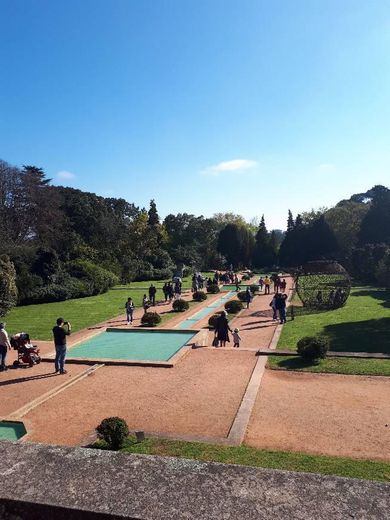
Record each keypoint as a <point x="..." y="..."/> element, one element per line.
<point x="28" y="355"/>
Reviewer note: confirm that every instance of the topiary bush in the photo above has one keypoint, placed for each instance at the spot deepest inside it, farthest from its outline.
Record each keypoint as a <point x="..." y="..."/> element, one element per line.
<point x="113" y="431"/>
<point x="246" y="277"/>
<point x="180" y="305"/>
<point x="199" y="296"/>
<point x="313" y="348"/>
<point x="213" y="320"/>
<point x="213" y="289"/>
<point x="241" y="296"/>
<point x="254" y="288"/>
<point x="234" y="306"/>
<point x="150" y="319"/>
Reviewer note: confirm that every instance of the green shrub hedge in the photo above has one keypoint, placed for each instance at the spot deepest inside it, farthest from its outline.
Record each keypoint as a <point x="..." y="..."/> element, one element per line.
<point x="313" y="348"/>
<point x="254" y="288"/>
<point x="180" y="305"/>
<point x="113" y="431"/>
<point x="199" y="296"/>
<point x="213" y="320"/>
<point x="241" y="296"/>
<point x="213" y="289"/>
<point x="151" y="319"/>
<point x="234" y="306"/>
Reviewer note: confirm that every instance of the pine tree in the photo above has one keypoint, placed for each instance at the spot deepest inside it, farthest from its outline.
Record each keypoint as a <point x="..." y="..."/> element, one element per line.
<point x="290" y="221"/>
<point x="153" y="218"/>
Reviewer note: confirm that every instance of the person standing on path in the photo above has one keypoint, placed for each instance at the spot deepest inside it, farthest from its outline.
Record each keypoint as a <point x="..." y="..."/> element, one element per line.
<point x="60" y="333"/>
<point x="145" y="303"/>
<point x="274" y="307"/>
<point x="248" y="297"/>
<point x="5" y="345"/>
<point x="261" y="284"/>
<point x="267" y="285"/>
<point x="222" y="329"/>
<point x="129" y="306"/>
<point x="165" y="291"/>
<point x="236" y="338"/>
<point x="152" y="294"/>
<point x="281" y="306"/>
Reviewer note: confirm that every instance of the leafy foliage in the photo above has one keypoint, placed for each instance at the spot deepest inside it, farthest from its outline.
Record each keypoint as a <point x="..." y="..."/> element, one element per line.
<point x="199" y="296"/>
<point x="113" y="431"/>
<point x="151" y="319"/>
<point x="213" y="289"/>
<point x="180" y="305"/>
<point x="8" y="290"/>
<point x="234" y="306"/>
<point x="312" y="348"/>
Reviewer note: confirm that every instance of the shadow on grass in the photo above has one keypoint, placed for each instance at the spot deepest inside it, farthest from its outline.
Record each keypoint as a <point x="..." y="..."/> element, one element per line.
<point x="378" y="294"/>
<point x="295" y="363"/>
<point x="360" y="336"/>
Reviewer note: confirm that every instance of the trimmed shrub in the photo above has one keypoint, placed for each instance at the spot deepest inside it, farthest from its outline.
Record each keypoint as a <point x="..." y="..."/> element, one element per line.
<point x="246" y="277"/>
<point x="234" y="306"/>
<point x="213" y="289"/>
<point x="313" y="348"/>
<point x="151" y="319"/>
<point x="254" y="288"/>
<point x="180" y="305"/>
<point x="199" y="296"/>
<point x="113" y="431"/>
<point x="242" y="296"/>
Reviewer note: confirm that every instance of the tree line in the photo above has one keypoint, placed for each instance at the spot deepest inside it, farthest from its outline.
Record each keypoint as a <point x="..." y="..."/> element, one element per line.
<point x="58" y="243"/>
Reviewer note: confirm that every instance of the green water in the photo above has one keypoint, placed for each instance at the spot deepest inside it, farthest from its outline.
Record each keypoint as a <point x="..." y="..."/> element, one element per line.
<point x="11" y="431"/>
<point x="132" y="345"/>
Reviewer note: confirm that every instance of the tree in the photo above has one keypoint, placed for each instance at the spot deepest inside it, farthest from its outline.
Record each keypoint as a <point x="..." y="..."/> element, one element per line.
<point x="236" y="243"/>
<point x="8" y="291"/>
<point x="153" y="218"/>
<point x="290" y="221"/>
<point x="375" y="227"/>
<point x="265" y="251"/>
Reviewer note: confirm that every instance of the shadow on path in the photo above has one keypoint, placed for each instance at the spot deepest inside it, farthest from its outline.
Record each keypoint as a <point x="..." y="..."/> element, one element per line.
<point x="28" y="378"/>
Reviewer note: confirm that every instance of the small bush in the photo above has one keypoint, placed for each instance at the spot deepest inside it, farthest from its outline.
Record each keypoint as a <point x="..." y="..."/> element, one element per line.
<point x="180" y="305"/>
<point x="151" y="319"/>
<point x="313" y="348"/>
<point x="213" y="289"/>
<point x="246" y="277"/>
<point x="213" y="320"/>
<point x="254" y="288"/>
<point x="199" y="296"/>
<point x="234" y="306"/>
<point x="242" y="296"/>
<point x="113" y="431"/>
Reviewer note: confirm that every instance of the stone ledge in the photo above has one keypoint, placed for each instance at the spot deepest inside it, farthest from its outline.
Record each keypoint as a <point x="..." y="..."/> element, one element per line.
<point x="40" y="481"/>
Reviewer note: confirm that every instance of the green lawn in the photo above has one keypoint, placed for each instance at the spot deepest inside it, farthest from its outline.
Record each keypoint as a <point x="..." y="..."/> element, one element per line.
<point x="291" y="461"/>
<point x="187" y="282"/>
<point x="362" y="325"/>
<point x="38" y="320"/>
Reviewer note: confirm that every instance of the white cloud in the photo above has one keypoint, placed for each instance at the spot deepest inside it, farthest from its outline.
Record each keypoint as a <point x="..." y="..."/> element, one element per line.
<point x="235" y="165"/>
<point x="327" y="167"/>
<point x="63" y="175"/>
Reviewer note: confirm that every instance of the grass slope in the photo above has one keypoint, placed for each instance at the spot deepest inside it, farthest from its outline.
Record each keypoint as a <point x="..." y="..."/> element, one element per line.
<point x="244" y="455"/>
<point x="362" y="325"/>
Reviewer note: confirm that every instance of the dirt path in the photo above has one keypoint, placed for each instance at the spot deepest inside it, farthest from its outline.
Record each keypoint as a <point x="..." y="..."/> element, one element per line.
<point x="326" y="414"/>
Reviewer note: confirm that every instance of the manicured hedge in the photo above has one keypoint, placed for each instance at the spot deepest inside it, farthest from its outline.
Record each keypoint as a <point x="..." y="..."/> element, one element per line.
<point x="199" y="296"/>
<point x="180" y="305"/>
<point x="213" y="289"/>
<point x="151" y="319"/>
<point x="234" y="306"/>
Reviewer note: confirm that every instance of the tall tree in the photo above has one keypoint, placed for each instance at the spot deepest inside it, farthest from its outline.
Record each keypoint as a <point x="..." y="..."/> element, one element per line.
<point x="153" y="218"/>
<point x="264" y="253"/>
<point x="8" y="291"/>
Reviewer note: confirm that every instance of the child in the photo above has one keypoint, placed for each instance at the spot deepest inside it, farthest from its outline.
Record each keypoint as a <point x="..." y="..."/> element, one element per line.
<point x="236" y="338"/>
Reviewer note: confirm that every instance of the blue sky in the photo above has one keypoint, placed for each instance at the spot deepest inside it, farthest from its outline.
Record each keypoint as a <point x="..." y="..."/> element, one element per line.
<point x="248" y="106"/>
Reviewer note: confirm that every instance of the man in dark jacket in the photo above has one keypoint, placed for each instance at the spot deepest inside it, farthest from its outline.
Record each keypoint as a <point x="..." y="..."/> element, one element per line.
<point x="60" y="331"/>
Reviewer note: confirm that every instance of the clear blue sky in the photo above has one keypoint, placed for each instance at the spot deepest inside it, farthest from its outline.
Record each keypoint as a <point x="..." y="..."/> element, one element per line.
<point x="248" y="106"/>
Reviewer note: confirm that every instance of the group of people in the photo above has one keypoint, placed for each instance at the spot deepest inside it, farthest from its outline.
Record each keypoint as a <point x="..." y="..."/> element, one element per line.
<point x="279" y="306"/>
<point x="275" y="280"/>
<point x="222" y="330"/>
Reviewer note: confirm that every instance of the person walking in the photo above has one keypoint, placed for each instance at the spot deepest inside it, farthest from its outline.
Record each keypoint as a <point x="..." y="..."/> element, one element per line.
<point x="170" y="292"/>
<point x="60" y="331"/>
<point x="248" y="297"/>
<point x="267" y="285"/>
<point x="236" y="338"/>
<point x="5" y="345"/>
<point x="283" y="285"/>
<point x="274" y="307"/>
<point x="165" y="291"/>
<point x="152" y="294"/>
<point x="145" y="303"/>
<point x="222" y="329"/>
<point x="261" y="283"/>
<point x="281" y="306"/>
<point x="129" y="306"/>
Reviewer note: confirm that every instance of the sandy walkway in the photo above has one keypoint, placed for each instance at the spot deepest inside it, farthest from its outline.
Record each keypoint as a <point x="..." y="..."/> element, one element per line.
<point x="322" y="413"/>
<point x="22" y="385"/>
<point x="199" y="396"/>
